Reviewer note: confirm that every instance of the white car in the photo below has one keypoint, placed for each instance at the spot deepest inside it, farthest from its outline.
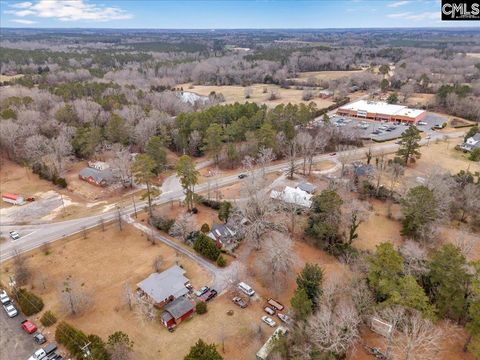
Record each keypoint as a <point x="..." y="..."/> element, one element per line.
<point x="4" y="299"/>
<point x="10" y="310"/>
<point x="422" y="123"/>
<point x="14" y="235"/>
<point x="267" y="320"/>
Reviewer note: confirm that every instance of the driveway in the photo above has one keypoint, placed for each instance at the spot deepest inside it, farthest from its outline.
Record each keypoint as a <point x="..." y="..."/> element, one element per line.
<point x="14" y="343"/>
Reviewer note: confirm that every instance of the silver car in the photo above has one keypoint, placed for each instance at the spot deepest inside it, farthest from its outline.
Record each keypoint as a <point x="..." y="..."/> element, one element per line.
<point x="10" y="310"/>
<point x="14" y="235"/>
<point x="268" y="320"/>
<point x="4" y="299"/>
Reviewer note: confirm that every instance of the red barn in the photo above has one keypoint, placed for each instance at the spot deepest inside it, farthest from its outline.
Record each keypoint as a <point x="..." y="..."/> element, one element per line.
<point x="177" y="311"/>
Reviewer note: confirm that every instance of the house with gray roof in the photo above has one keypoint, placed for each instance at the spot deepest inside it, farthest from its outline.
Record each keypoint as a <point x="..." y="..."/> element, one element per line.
<point x="177" y="311"/>
<point x="164" y="287"/>
<point x="305" y="186"/>
<point x="222" y="234"/>
<point x="96" y="176"/>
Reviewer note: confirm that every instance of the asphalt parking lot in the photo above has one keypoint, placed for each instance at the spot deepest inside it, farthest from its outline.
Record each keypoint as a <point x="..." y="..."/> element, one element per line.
<point x="15" y="344"/>
<point x="386" y="130"/>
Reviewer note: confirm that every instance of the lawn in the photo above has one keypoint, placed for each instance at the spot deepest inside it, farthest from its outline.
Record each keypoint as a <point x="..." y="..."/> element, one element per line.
<point x="326" y="75"/>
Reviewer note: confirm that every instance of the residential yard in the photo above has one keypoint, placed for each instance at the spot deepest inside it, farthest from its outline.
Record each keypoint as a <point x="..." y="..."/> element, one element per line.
<point x="103" y="263"/>
<point x="234" y="94"/>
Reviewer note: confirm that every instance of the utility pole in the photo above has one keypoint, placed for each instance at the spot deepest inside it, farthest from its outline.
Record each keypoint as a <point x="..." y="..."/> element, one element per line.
<point x="134" y="205"/>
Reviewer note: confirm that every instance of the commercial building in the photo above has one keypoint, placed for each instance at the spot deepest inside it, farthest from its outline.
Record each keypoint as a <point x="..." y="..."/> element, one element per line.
<point x="381" y="111"/>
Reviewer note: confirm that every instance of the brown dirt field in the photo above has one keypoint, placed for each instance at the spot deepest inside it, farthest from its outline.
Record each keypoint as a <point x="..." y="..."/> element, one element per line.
<point x="326" y="75"/>
<point x="379" y="228"/>
<point x="418" y="99"/>
<point x="323" y="165"/>
<point x="444" y="155"/>
<point x="19" y="180"/>
<point x="234" y="94"/>
<point x="125" y="257"/>
<point x="10" y="77"/>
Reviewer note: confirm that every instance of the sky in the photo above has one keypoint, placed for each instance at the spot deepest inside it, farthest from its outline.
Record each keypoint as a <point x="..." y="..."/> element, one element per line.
<point x="223" y="14"/>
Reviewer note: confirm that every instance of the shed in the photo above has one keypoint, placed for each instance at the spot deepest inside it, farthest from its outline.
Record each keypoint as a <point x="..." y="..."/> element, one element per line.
<point x="308" y="187"/>
<point x="177" y="311"/>
<point x="13" y="199"/>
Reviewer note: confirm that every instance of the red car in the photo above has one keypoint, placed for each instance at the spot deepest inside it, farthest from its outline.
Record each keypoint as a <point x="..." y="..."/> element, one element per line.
<point x="29" y="326"/>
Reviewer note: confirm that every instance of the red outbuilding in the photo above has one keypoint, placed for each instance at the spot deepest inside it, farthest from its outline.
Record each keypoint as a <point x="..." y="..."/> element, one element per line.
<point x="177" y="311"/>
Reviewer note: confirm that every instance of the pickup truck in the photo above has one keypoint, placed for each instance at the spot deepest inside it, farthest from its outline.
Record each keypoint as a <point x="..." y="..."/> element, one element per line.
<point x="240" y="302"/>
<point x="209" y="295"/>
<point x="48" y="352"/>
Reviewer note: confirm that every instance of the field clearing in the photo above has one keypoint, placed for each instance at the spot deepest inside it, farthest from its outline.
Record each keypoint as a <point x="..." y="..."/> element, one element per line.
<point x="236" y="93"/>
<point x="418" y="99"/>
<point x="441" y="155"/>
<point x="379" y="227"/>
<point x="10" y="77"/>
<point x="325" y="75"/>
<point x="474" y="55"/>
<point x="21" y="180"/>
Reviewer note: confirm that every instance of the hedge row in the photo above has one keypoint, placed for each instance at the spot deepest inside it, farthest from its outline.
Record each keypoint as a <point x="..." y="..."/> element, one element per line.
<point x="29" y="303"/>
<point x="42" y="170"/>
<point x="74" y="340"/>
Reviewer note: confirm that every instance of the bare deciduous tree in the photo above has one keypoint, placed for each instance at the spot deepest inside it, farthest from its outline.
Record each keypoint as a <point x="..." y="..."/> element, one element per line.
<point x="128" y="296"/>
<point x="157" y="263"/>
<point x="182" y="227"/>
<point x="265" y="158"/>
<point x="277" y="260"/>
<point x="74" y="298"/>
<point x="22" y="273"/>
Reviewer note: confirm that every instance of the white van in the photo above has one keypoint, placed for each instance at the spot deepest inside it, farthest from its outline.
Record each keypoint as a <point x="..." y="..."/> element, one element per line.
<point x="246" y="289"/>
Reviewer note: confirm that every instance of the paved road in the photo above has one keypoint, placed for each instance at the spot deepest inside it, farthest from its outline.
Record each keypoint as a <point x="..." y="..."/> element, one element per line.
<point x="33" y="236"/>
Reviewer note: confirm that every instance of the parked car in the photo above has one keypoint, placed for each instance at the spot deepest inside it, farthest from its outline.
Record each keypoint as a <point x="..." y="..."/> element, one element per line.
<point x="333" y="154"/>
<point x="209" y="295"/>
<point x="4" y="299"/>
<point x="269" y="310"/>
<point x="242" y="176"/>
<point x="285" y="318"/>
<point x="269" y="321"/>
<point x="240" y="302"/>
<point x="14" y="235"/>
<point x="48" y="352"/>
<point x="422" y="123"/>
<point x="201" y="291"/>
<point x="29" y="326"/>
<point x="10" y="310"/>
<point x="275" y="304"/>
<point x="39" y="338"/>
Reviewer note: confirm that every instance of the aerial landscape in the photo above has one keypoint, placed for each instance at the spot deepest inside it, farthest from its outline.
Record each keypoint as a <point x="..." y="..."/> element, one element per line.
<point x="239" y="180"/>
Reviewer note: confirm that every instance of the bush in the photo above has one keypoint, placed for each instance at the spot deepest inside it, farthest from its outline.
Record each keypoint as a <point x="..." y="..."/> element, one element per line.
<point x="205" y="228"/>
<point x="201" y="307"/>
<point x="61" y="182"/>
<point x="221" y="261"/>
<point x="161" y="223"/>
<point x="206" y="246"/>
<point x="194" y="210"/>
<point x="475" y="154"/>
<point x="29" y="303"/>
<point x="48" y="318"/>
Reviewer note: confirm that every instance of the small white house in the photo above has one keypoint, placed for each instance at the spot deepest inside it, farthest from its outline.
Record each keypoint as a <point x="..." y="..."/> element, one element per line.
<point x="293" y="196"/>
<point x="99" y="165"/>
<point x="471" y="143"/>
